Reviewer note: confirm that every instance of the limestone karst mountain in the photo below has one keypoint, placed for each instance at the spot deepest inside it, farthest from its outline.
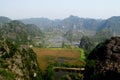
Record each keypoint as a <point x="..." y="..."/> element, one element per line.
<point x="75" y="22"/>
<point x="104" y="61"/>
<point x="18" y="62"/>
<point x="19" y="32"/>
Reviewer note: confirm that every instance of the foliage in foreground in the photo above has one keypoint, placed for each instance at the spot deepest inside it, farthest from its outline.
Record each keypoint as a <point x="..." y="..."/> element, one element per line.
<point x="18" y="62"/>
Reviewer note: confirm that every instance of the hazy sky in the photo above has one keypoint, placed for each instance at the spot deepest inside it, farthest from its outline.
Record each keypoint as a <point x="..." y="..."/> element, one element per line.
<point x="59" y="8"/>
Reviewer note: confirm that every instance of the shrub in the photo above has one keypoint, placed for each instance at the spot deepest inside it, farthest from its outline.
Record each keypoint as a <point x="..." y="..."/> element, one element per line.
<point x="7" y="75"/>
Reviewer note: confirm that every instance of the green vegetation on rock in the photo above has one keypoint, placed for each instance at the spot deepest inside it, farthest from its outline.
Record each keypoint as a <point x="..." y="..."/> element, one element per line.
<point x="18" y="62"/>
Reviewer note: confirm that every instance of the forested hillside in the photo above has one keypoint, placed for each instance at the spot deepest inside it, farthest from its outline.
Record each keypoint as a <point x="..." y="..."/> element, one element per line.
<point x="19" y="32"/>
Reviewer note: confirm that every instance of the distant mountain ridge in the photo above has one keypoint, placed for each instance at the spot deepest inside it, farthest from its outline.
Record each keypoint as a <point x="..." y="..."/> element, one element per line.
<point x="70" y="22"/>
<point x="75" y="22"/>
<point x="83" y="26"/>
<point x="113" y="24"/>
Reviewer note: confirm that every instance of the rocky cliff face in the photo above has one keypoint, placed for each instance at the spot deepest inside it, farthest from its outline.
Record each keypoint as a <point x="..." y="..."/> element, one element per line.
<point x="18" y="63"/>
<point x="104" y="61"/>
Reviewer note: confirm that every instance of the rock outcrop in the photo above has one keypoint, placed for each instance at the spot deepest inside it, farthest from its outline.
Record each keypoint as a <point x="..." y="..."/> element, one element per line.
<point x="104" y="61"/>
<point x="18" y="63"/>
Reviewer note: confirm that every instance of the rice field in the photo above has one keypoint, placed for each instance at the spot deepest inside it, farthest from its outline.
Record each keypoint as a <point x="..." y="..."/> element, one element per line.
<point x="45" y="56"/>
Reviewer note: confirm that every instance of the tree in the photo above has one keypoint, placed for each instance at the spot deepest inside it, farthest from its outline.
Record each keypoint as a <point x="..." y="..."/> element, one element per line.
<point x="87" y="43"/>
<point x="49" y="74"/>
<point x="63" y="44"/>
